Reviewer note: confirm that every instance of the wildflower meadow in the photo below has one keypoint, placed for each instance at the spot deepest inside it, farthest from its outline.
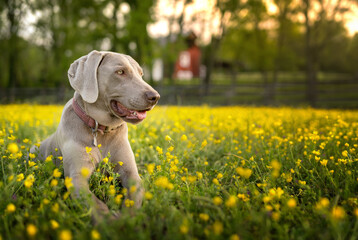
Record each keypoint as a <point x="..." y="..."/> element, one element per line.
<point x="208" y="173"/>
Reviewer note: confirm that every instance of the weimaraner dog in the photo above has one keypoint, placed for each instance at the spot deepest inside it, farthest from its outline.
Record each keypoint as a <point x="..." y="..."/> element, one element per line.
<point x="109" y="91"/>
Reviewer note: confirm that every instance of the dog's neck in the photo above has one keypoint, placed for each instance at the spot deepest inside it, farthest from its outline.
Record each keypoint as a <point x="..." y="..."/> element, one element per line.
<point x="92" y="115"/>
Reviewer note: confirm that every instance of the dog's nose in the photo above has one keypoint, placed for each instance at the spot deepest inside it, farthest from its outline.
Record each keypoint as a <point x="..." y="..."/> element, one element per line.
<point x="152" y="96"/>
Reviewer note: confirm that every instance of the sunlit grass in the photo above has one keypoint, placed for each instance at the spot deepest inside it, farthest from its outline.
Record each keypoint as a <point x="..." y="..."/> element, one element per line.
<point x="216" y="173"/>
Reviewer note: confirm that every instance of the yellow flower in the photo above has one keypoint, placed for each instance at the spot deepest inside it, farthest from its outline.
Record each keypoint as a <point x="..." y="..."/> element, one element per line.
<point x="31" y="230"/>
<point x="244" y="172"/>
<point x="219" y="175"/>
<point x="88" y="149"/>
<point x="20" y="177"/>
<point x="217" y="201"/>
<point x="338" y="213"/>
<point x="29" y="181"/>
<point x="118" y="199"/>
<point x="216" y="181"/>
<point x="183" y="138"/>
<point x="55" y="207"/>
<point x="54" y="224"/>
<point x="120" y="163"/>
<point x="243" y="197"/>
<point x="324" y="162"/>
<point x="200" y="175"/>
<point x="204" y="143"/>
<point x="11" y="137"/>
<point x="302" y="182"/>
<point x="203" y="216"/>
<point x="132" y="189"/>
<point x="105" y="160"/>
<point x="218" y="228"/>
<point x="111" y="190"/>
<point x="355" y="212"/>
<point x="163" y="182"/>
<point x="184" y="229"/>
<point x="65" y="235"/>
<point x="279" y="192"/>
<point x="32" y="155"/>
<point x="95" y="235"/>
<point x="276" y="165"/>
<point x="159" y="150"/>
<point x="129" y="203"/>
<point x="10" y="208"/>
<point x="275" y="216"/>
<point x="231" y="201"/>
<point x="31" y="164"/>
<point x="49" y="158"/>
<point x="266" y="199"/>
<point x="54" y="183"/>
<point x="68" y="182"/>
<point x="191" y="179"/>
<point x="148" y="195"/>
<point x="291" y="203"/>
<point x="234" y="237"/>
<point x="150" y="168"/>
<point x="323" y="203"/>
<point x="85" y="172"/>
<point x="167" y="138"/>
<point x="13" y="148"/>
<point x="56" y="173"/>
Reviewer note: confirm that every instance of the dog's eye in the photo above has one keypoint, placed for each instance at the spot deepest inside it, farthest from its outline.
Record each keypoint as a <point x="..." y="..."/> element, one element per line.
<point x="120" y="72"/>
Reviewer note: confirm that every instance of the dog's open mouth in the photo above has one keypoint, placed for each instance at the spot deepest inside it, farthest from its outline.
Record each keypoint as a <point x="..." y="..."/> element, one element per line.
<point x="128" y="114"/>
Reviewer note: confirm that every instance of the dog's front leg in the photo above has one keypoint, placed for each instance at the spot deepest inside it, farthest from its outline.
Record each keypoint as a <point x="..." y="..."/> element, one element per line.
<point x="127" y="168"/>
<point x="77" y="163"/>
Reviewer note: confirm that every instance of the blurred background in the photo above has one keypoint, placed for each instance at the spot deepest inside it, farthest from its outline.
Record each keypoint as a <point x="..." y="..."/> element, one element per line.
<point x="215" y="52"/>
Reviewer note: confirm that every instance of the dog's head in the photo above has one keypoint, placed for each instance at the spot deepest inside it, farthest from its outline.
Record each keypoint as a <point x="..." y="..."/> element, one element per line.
<point x="111" y="83"/>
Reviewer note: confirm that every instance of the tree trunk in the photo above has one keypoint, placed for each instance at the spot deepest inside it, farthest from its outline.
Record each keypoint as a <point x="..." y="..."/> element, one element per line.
<point x="282" y="19"/>
<point x="311" y="73"/>
<point x="12" y="57"/>
<point x="210" y="60"/>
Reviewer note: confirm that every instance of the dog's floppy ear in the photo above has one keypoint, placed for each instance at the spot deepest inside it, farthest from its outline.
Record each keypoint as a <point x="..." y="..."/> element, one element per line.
<point x="83" y="75"/>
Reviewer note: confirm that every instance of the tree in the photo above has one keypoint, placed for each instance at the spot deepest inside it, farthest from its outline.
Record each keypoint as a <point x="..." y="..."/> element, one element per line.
<point x="286" y="33"/>
<point x="321" y="27"/>
<point x="226" y="9"/>
<point x="15" y="10"/>
<point x="136" y="29"/>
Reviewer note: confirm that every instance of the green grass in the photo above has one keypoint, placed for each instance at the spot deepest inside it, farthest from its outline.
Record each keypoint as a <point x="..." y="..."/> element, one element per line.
<point x="209" y="173"/>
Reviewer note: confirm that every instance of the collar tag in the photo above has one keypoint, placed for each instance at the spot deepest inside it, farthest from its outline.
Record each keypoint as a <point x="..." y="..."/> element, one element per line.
<point x="94" y="134"/>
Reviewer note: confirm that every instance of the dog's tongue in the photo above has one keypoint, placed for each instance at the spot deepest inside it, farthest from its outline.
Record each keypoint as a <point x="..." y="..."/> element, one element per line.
<point x="137" y="115"/>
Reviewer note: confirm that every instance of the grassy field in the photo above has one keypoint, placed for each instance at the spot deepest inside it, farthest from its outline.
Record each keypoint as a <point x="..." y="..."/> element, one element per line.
<point x="209" y="173"/>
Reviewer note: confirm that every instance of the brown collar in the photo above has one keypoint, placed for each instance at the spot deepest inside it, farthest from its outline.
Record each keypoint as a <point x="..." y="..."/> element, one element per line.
<point x="92" y="123"/>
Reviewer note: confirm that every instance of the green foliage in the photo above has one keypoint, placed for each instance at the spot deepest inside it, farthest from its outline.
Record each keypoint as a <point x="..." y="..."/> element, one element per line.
<point x="250" y="37"/>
